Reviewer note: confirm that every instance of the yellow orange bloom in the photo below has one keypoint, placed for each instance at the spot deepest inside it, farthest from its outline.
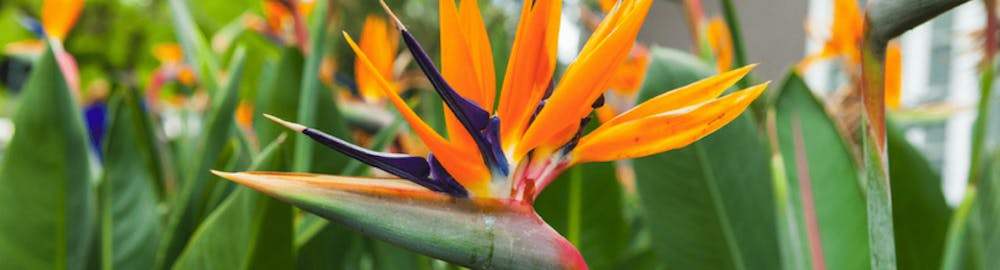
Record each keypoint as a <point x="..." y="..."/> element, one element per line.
<point x="535" y="131"/>
<point x="720" y="42"/>
<point x="283" y="21"/>
<point x="172" y="68"/>
<point x="844" y="42"/>
<point x="59" y="16"/>
<point x="378" y="38"/>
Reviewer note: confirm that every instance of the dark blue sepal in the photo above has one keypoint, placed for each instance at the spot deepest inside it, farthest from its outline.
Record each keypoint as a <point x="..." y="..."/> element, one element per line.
<point x="493" y="137"/>
<point x="346" y="81"/>
<point x="468" y="112"/>
<point x="409" y="167"/>
<point x="473" y="118"/>
<point x="441" y="180"/>
<point x="96" y="116"/>
<point x="33" y="25"/>
<point x="576" y="137"/>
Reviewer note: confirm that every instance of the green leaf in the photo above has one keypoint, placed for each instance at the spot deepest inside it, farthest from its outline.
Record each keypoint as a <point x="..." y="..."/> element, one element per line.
<point x="190" y="207"/>
<point x="328" y="249"/>
<point x="988" y="213"/>
<point x="311" y="94"/>
<point x="919" y="210"/>
<point x="197" y="52"/>
<point x="585" y="205"/>
<point x="130" y="218"/>
<point x="281" y="97"/>
<point x="823" y="184"/>
<point x="248" y="230"/>
<point x="46" y="188"/>
<point x="961" y="251"/>
<point x="708" y="205"/>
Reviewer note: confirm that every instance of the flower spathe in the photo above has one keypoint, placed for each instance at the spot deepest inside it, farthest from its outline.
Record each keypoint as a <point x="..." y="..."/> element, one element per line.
<point x="492" y="164"/>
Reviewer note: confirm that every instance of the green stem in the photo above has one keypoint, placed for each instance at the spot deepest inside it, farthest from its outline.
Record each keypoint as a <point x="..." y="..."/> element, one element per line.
<point x="957" y="230"/>
<point x="884" y="20"/>
<point x="979" y="127"/>
<point x="739" y="51"/>
<point x="575" y="199"/>
<point x="310" y="87"/>
<point x="985" y="92"/>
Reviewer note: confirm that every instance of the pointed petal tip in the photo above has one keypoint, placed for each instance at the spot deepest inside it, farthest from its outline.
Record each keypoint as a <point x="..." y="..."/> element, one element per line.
<point x="392" y="15"/>
<point x="290" y="125"/>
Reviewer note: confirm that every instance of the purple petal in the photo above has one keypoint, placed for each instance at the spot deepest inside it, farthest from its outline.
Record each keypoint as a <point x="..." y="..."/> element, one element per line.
<point x="441" y="180"/>
<point x="408" y="167"/>
<point x="468" y="112"/>
<point x="493" y="137"/>
<point x="472" y="117"/>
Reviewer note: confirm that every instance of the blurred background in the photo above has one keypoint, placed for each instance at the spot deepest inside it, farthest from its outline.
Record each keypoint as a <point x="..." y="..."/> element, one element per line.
<point x="940" y="84"/>
<point x="737" y="198"/>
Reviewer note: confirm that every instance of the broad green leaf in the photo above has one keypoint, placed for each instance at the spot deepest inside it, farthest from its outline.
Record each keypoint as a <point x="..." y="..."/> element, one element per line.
<point x="311" y="95"/>
<point x="823" y="187"/>
<point x="131" y="224"/>
<point x="248" y="230"/>
<point x="989" y="214"/>
<point x="328" y="249"/>
<point x="281" y="99"/>
<point x="198" y="54"/>
<point x="961" y="251"/>
<point x="708" y="205"/>
<point x="46" y="189"/>
<point x="919" y="211"/>
<point x="386" y="256"/>
<point x="585" y="205"/>
<point x="189" y="208"/>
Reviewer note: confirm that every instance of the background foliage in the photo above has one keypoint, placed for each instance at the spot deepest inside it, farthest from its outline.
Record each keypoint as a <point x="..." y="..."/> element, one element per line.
<point x="778" y="188"/>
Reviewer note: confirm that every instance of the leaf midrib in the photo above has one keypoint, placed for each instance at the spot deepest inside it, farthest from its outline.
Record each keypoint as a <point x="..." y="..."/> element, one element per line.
<point x="716" y="197"/>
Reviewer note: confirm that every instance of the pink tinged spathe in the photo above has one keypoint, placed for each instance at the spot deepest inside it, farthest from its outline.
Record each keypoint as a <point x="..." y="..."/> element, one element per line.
<point x="480" y="233"/>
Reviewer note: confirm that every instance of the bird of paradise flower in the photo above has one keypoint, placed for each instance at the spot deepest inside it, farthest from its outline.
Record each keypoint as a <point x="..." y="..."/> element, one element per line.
<point x="57" y="19"/>
<point x="846" y="34"/>
<point x="470" y="201"/>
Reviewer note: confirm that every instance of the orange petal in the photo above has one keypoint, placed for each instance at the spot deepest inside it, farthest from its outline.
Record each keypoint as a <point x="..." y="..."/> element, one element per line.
<point x="694" y="93"/>
<point x="277" y="15"/>
<point x="466" y="56"/>
<point x="719" y="39"/>
<point x="482" y="52"/>
<point x="586" y="78"/>
<point x="168" y="52"/>
<point x="381" y="43"/>
<point x="305" y="7"/>
<point x="530" y="67"/>
<point x="665" y="131"/>
<point x="893" y="69"/>
<point x="607" y="5"/>
<point x="469" y="170"/>
<point x="59" y="16"/>
<point x="32" y="47"/>
<point x="244" y="114"/>
<point x="630" y="75"/>
<point x="466" y="62"/>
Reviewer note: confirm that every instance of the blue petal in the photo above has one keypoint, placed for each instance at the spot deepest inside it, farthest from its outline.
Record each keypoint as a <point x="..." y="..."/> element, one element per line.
<point x="33" y="25"/>
<point x="442" y="181"/>
<point x="408" y="167"/>
<point x="96" y="116"/>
